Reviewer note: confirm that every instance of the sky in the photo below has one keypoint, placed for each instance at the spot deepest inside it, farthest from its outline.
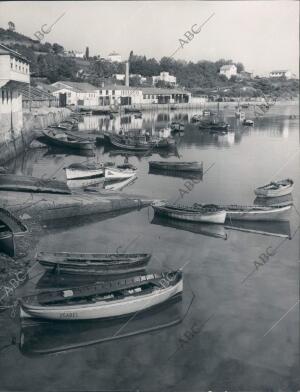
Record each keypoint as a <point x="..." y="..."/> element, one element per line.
<point x="263" y="35"/>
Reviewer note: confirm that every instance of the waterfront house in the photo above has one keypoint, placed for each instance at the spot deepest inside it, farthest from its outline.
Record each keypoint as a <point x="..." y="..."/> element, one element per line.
<point x="165" y="95"/>
<point x="14" y="74"/>
<point x="76" y="93"/>
<point x="228" y="70"/>
<point x="281" y="74"/>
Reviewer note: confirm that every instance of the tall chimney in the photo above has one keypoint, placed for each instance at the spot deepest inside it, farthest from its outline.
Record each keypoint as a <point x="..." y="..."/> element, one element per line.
<point x="127" y="73"/>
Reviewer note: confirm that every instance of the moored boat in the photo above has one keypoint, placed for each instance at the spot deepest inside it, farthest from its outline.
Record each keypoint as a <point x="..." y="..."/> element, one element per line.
<point x="93" y="263"/>
<point x="104" y="299"/>
<point x="11" y="230"/>
<point x="115" y="173"/>
<point x="255" y="213"/>
<point x="58" y="138"/>
<point x="275" y="188"/>
<point x="248" y="122"/>
<point x="86" y="170"/>
<point x="196" y="213"/>
<point x="12" y="182"/>
<point x="192" y="166"/>
<point x="177" y="126"/>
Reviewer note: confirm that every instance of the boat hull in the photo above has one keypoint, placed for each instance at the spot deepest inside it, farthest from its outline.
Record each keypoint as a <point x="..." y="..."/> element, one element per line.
<point x="102" y="309"/>
<point x="274" y="192"/>
<point x="79" y="174"/>
<point x="272" y="214"/>
<point x="174" y="166"/>
<point x="77" y="145"/>
<point x="118" y="174"/>
<point x="217" y="217"/>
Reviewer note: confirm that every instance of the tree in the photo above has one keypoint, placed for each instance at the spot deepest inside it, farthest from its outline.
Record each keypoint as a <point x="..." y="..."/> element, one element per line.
<point x="87" y="53"/>
<point x="11" y="26"/>
<point x="57" y="48"/>
<point x="240" y="67"/>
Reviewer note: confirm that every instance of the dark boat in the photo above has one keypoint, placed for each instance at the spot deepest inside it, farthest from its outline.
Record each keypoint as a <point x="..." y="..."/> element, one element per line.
<point x="12" y="182"/>
<point x="11" y="230"/>
<point x="49" y="337"/>
<point x="93" y="263"/>
<point x="177" y="166"/>
<point x="177" y="126"/>
<point x="61" y="139"/>
<point x="178" y="174"/>
<point x="214" y="125"/>
<point x="133" y="110"/>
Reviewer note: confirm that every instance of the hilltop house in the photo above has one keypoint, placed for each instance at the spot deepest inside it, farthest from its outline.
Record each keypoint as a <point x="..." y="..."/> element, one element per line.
<point x="14" y="74"/>
<point x="75" y="93"/>
<point x="280" y="74"/>
<point x="228" y="70"/>
<point x="164" y="77"/>
<point x="114" y="57"/>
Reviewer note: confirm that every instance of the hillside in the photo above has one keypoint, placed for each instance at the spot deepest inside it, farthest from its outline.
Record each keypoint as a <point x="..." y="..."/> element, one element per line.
<point x="49" y="61"/>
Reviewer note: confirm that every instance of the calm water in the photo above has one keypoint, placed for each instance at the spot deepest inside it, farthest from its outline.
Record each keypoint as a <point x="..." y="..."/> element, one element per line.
<point x="234" y="348"/>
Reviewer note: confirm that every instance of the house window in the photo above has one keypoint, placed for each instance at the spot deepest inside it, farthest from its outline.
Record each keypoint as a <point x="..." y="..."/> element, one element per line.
<point x="106" y="92"/>
<point x="113" y="92"/>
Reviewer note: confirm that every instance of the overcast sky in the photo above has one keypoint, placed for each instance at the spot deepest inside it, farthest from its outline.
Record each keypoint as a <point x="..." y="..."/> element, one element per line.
<point x="261" y="34"/>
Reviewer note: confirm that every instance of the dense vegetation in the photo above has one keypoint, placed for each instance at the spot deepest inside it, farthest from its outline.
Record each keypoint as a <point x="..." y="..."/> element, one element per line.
<point x="48" y="60"/>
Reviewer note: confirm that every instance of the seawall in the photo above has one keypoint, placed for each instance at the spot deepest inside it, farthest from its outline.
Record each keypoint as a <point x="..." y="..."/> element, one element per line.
<point x="13" y="143"/>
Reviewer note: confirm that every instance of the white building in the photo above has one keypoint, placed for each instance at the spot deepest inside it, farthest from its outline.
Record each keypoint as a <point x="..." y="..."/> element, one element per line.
<point x="228" y="70"/>
<point x="120" y="77"/>
<point x="75" y="93"/>
<point x="120" y="95"/>
<point x="114" y="57"/>
<point x="164" y="77"/>
<point x="280" y="74"/>
<point x="14" y="74"/>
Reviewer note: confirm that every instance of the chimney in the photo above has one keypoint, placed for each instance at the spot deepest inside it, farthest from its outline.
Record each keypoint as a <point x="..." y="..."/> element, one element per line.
<point x="127" y="73"/>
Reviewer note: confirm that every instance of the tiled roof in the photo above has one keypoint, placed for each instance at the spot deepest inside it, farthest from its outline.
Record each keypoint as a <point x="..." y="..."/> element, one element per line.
<point x="77" y="86"/>
<point x="35" y="94"/>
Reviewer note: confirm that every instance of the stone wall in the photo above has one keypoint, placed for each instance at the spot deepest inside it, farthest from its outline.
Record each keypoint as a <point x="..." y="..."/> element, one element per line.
<point x="12" y="144"/>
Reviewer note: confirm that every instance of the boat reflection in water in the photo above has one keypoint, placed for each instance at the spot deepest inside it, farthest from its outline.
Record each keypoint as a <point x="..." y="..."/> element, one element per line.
<point x="85" y="182"/>
<point x="274" y="228"/>
<point x="63" y="151"/>
<point x="48" y="337"/>
<point x="119" y="185"/>
<point x="181" y="174"/>
<point x="207" y="229"/>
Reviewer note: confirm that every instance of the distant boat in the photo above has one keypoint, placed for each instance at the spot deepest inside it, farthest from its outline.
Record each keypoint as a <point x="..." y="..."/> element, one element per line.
<point x="11" y="230"/>
<point x="13" y="182"/>
<point x="275" y="188"/>
<point x="132" y="110"/>
<point x="248" y="122"/>
<point x="93" y="263"/>
<point x="203" y="213"/>
<point x="214" y="125"/>
<point x="254" y="213"/>
<point x="138" y="115"/>
<point x="104" y="299"/>
<point x="140" y="142"/>
<point x="177" y="126"/>
<point x="115" y="173"/>
<point x="62" y="139"/>
<point x="192" y="166"/>
<point x="196" y="118"/>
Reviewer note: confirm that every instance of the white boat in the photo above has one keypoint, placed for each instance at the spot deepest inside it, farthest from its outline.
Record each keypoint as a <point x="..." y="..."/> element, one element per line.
<point x="115" y="173"/>
<point x="119" y="185"/>
<point x="248" y="122"/>
<point x="275" y="188"/>
<point x="80" y="170"/>
<point x="256" y="213"/>
<point x="150" y="291"/>
<point x="203" y="213"/>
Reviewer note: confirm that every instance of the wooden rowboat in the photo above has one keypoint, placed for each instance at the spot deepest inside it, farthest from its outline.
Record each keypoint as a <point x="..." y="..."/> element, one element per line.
<point x="275" y="188"/>
<point x="87" y="170"/>
<point x="255" y="213"/>
<point x="176" y="166"/>
<point x="104" y="300"/>
<point x="12" y="182"/>
<point x="11" y="230"/>
<point x="203" y="213"/>
<point x="114" y="173"/>
<point x="59" y="138"/>
<point x="93" y="263"/>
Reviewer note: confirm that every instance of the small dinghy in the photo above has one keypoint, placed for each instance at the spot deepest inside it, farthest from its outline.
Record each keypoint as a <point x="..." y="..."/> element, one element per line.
<point x="85" y="170"/>
<point x="248" y="123"/>
<point x="93" y="263"/>
<point x="104" y="299"/>
<point x="11" y="229"/>
<point x="275" y="188"/>
<point x="115" y="173"/>
<point x="203" y="213"/>
<point x="59" y="138"/>
<point x="255" y="213"/>
<point x="176" y="166"/>
<point x="12" y="182"/>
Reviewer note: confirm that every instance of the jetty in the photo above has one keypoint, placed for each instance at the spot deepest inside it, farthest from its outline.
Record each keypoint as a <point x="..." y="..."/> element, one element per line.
<point x="41" y="206"/>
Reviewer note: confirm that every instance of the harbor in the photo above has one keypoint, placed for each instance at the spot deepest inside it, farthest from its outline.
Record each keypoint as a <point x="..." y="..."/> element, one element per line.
<point x="149" y="205"/>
